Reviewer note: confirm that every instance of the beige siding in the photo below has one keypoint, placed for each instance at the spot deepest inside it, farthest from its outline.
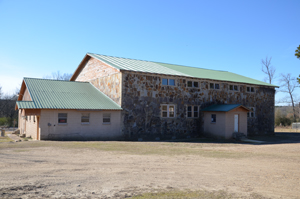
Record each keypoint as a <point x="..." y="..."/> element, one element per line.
<point x="215" y="129"/>
<point x="31" y="127"/>
<point x="74" y="129"/>
<point x="26" y="96"/>
<point x="230" y="122"/>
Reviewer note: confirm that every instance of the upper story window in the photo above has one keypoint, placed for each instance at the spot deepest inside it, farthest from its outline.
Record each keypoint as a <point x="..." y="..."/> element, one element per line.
<point x="62" y="118"/>
<point x="250" y="89"/>
<point x="168" y="110"/>
<point x="192" y="84"/>
<point x="233" y="88"/>
<point x="252" y="112"/>
<point x="85" y="118"/>
<point x="192" y="111"/>
<point x="170" y="82"/>
<point x="214" y="86"/>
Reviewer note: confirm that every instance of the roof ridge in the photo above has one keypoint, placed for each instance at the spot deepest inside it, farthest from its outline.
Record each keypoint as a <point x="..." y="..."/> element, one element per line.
<point x="157" y="62"/>
<point x="52" y="79"/>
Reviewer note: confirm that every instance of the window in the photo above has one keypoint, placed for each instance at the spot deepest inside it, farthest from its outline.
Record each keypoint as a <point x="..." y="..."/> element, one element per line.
<point x="106" y="118"/>
<point x="62" y="118"/>
<point x="192" y="84"/>
<point x="192" y="111"/>
<point x="33" y="118"/>
<point x="85" y="118"/>
<point x="251" y="113"/>
<point x="214" y="86"/>
<point x="250" y="89"/>
<point x="233" y="88"/>
<point x="170" y="82"/>
<point x="167" y="110"/>
<point x="213" y="118"/>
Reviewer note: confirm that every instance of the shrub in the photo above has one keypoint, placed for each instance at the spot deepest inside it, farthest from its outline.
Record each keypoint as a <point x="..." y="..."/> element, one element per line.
<point x="3" y="121"/>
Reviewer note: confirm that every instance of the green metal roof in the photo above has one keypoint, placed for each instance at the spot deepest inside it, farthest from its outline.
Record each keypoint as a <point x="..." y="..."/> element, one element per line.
<point x="223" y="107"/>
<point x="57" y="94"/>
<point x="172" y="69"/>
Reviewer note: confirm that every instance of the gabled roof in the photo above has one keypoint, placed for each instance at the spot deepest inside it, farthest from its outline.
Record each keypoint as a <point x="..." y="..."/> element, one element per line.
<point x="223" y="107"/>
<point x="168" y="69"/>
<point x="57" y="94"/>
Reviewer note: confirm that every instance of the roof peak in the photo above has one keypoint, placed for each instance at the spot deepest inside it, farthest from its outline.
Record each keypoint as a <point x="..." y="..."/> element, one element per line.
<point x="156" y="62"/>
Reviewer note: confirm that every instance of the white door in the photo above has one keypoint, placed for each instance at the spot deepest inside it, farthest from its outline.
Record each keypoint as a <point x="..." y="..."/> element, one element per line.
<point x="236" y="123"/>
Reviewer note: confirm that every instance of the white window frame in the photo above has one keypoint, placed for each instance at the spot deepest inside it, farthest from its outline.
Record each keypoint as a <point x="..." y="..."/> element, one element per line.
<point x="214" y="86"/>
<point x="193" y="84"/>
<point x="192" y="111"/>
<point x="62" y="117"/>
<point x="168" y="82"/>
<point x="233" y="85"/>
<point x="251" y="113"/>
<point x="250" y="89"/>
<point x="168" y="110"/>
<point x="106" y="116"/>
<point x="85" y="116"/>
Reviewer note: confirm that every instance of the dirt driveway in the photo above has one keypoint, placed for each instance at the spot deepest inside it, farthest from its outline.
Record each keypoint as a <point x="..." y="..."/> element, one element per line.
<point x="44" y="169"/>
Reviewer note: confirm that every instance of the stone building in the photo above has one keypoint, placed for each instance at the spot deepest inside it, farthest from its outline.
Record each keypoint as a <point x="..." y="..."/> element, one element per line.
<point x="164" y="101"/>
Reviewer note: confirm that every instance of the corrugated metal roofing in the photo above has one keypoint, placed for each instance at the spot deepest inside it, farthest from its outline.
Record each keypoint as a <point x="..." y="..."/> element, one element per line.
<point x="57" y="94"/>
<point x="172" y="69"/>
<point x="222" y="107"/>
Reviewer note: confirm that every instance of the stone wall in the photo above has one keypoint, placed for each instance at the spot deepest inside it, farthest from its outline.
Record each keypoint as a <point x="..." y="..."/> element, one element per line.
<point x="143" y="94"/>
<point x="104" y="77"/>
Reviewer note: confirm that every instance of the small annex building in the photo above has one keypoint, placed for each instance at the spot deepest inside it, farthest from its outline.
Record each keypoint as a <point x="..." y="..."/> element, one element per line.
<point x="222" y="120"/>
<point x="64" y="110"/>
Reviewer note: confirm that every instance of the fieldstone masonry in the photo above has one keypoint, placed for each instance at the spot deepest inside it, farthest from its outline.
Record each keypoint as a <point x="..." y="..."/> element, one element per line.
<point x="142" y="94"/>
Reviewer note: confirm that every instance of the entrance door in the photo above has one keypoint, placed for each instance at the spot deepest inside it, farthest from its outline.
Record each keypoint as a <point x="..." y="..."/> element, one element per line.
<point x="236" y="123"/>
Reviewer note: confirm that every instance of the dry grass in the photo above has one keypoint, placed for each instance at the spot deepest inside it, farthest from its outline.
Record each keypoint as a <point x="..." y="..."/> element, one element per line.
<point x="195" y="194"/>
<point x="287" y="129"/>
<point x="5" y="139"/>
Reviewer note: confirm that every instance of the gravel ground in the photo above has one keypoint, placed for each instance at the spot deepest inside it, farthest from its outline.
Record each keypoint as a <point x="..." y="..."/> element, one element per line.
<point x="40" y="169"/>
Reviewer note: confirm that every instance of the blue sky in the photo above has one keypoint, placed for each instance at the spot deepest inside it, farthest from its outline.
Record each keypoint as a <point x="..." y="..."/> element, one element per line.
<point x="41" y="37"/>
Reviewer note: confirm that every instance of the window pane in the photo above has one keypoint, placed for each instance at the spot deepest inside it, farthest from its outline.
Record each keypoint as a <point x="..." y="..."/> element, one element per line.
<point x="85" y="117"/>
<point x="252" y="114"/>
<point x="171" y="114"/>
<point x="252" y="89"/>
<point x="189" y="114"/>
<point x="106" y="120"/>
<point x="62" y="114"/>
<point x="171" y="108"/>
<point x="189" y="108"/>
<point x="217" y="86"/>
<point x="172" y="82"/>
<point x="195" y="114"/>
<point x="195" y="108"/>
<point x="235" y="87"/>
<point x="213" y="118"/>
<point x="190" y="84"/>
<point x="165" y="108"/>
<point x="62" y="117"/>
<point x="164" y="81"/>
<point x="211" y="85"/>
<point x="165" y="114"/>
<point x="231" y="87"/>
<point x="196" y="84"/>
<point x="248" y="114"/>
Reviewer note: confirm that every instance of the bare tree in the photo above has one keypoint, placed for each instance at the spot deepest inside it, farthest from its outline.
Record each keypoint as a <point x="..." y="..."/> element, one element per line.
<point x="268" y="69"/>
<point x="58" y="76"/>
<point x="288" y="85"/>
